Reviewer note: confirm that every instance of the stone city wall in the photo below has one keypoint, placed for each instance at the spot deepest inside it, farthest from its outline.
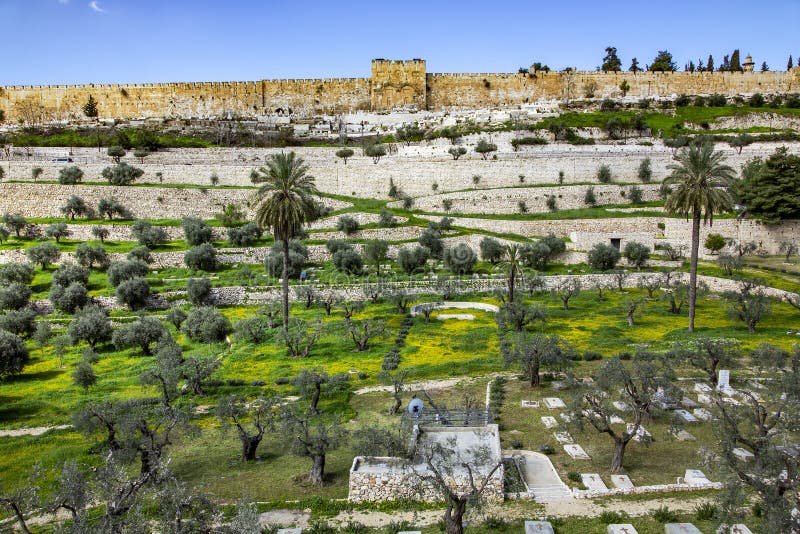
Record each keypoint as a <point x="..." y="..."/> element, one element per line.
<point x="392" y="84"/>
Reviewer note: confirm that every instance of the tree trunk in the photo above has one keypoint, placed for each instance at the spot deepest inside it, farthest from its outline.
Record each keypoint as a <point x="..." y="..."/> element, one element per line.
<point x="249" y="447"/>
<point x="396" y="407"/>
<point x="18" y="514"/>
<point x="315" y="398"/>
<point x="285" y="283"/>
<point x="533" y="370"/>
<point x="619" y="453"/>
<point x="566" y="304"/>
<point x="693" y="267"/>
<point x="511" y="284"/>
<point x="630" y="318"/>
<point x="453" y="517"/>
<point x="317" y="469"/>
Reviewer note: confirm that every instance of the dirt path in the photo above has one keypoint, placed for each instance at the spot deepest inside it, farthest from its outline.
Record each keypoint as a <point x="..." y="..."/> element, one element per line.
<point x="32" y="431"/>
<point x="433" y="384"/>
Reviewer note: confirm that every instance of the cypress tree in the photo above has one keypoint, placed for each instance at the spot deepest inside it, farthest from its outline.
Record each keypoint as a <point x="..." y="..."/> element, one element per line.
<point x="710" y="66"/>
<point x="90" y="108"/>
<point x="736" y="64"/>
<point x="790" y="64"/>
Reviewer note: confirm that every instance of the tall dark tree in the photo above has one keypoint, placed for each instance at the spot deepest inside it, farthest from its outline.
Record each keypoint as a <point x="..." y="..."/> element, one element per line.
<point x="634" y="66"/>
<point x="90" y="108"/>
<point x="736" y="64"/>
<point x="771" y="189"/>
<point x="284" y="203"/>
<point x="663" y="62"/>
<point x="710" y="64"/>
<point x="611" y="63"/>
<point x="701" y="183"/>
<point x="790" y="64"/>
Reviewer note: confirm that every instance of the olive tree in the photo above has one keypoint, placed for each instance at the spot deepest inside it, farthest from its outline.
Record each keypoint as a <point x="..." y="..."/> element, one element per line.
<point x="251" y="419"/>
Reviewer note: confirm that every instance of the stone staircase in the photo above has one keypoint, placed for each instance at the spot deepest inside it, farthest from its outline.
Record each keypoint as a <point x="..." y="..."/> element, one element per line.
<point x="551" y="493"/>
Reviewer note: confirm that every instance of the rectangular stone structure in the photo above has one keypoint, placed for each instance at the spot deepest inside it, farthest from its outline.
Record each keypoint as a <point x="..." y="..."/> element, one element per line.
<point x="563" y="437"/>
<point x="539" y="527"/>
<point x="724" y="379"/>
<point x="702" y="388"/>
<point x="695" y="476"/>
<point x="290" y="531"/>
<point x="743" y="454"/>
<point x="622" y="481"/>
<point x="530" y="404"/>
<point x="740" y="528"/>
<point x="593" y="482"/>
<point x="686" y="402"/>
<point x="686" y="416"/>
<point x="576" y="452"/>
<point x="681" y="528"/>
<point x="554" y="403"/>
<point x="621" y="406"/>
<point x="702" y="413"/>
<point x="683" y="435"/>
<point x="549" y="422"/>
<point x="621" y="528"/>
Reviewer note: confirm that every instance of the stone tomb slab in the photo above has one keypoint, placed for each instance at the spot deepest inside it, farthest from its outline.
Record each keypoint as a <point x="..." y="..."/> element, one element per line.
<point x="621" y="528"/>
<point x="622" y="481"/>
<point x="702" y="413"/>
<point x="530" y="404"/>
<point x="702" y="388"/>
<point x="682" y="435"/>
<point x="641" y="432"/>
<point x="704" y="399"/>
<point x="681" y="528"/>
<point x="622" y="406"/>
<point x="740" y="529"/>
<point x="549" y="422"/>
<point x="695" y="476"/>
<point x="743" y="454"/>
<point x="565" y="417"/>
<point x="593" y="482"/>
<point x="539" y="527"/>
<point x="616" y="420"/>
<point x="554" y="403"/>
<point x="686" y="416"/>
<point x="563" y="437"/>
<point x="686" y="402"/>
<point x="290" y="531"/>
<point x="576" y="451"/>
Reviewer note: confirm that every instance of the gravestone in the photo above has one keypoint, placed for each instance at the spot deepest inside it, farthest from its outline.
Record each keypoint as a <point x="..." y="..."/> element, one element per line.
<point x="549" y="422"/>
<point x="530" y="404"/>
<point x="622" y="481"/>
<point x="554" y="403"/>
<point x="731" y="401"/>
<point x="724" y="381"/>
<point x="686" y="416"/>
<point x="702" y="413"/>
<point x="641" y="432"/>
<point x="743" y="454"/>
<point x="704" y="399"/>
<point x="682" y="435"/>
<point x="621" y="406"/>
<point x="576" y="451"/>
<point x="686" y="402"/>
<point x="740" y="529"/>
<point x="615" y="420"/>
<point x="567" y="418"/>
<point x="702" y="388"/>
<point x="539" y="527"/>
<point x="290" y="531"/>
<point x="593" y="482"/>
<point x="621" y="528"/>
<point x="695" y="476"/>
<point x="681" y="528"/>
<point x="563" y="437"/>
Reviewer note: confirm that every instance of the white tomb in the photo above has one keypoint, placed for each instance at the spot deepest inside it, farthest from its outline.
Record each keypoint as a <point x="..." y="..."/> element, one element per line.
<point x="622" y="481"/>
<point x="682" y="435"/>
<point x="549" y="422"/>
<point x="686" y="416"/>
<point x="702" y="388"/>
<point x="621" y="406"/>
<point x="641" y="432"/>
<point x="576" y="451"/>
<point x="554" y="403"/>
<point x="593" y="482"/>
<point x="681" y="528"/>
<point x="530" y="404"/>
<point x="702" y="413"/>
<point x="621" y="528"/>
<point x="563" y="437"/>
<point x="695" y="476"/>
<point x="290" y="531"/>
<point x="724" y="382"/>
<point x="743" y="454"/>
<point x="704" y="399"/>
<point x="539" y="527"/>
<point x="565" y="417"/>
<point x="616" y="420"/>
<point x="740" y="529"/>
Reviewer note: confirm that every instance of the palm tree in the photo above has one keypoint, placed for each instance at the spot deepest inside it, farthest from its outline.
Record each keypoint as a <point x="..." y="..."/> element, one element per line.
<point x="514" y="270"/>
<point x="702" y="183"/>
<point x="284" y="204"/>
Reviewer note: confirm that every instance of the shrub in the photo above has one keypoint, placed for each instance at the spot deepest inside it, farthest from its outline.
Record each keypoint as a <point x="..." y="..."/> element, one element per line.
<point x="206" y="325"/>
<point x="714" y="243"/>
<point x="256" y="329"/>
<point x="546" y="448"/>
<point x="119" y="271"/>
<point x="198" y="290"/>
<point x="756" y="100"/>
<point x="70" y="175"/>
<point x="202" y="257"/>
<point x="609" y="516"/>
<point x="706" y="511"/>
<point x="591" y="356"/>
<point x="460" y="259"/>
<point x="116" y="153"/>
<point x="70" y="298"/>
<point x="552" y="204"/>
<point x="91" y="255"/>
<point x="491" y="249"/>
<point x="133" y="293"/>
<point x="196" y="231"/>
<point x="298" y="253"/>
<point x="176" y="316"/>
<point x="604" y="174"/>
<point x="682" y="101"/>
<point x="90" y="324"/>
<point x="636" y="253"/>
<point x="16" y="272"/>
<point x="645" y="172"/>
<point x="386" y="219"/>
<point x="717" y="101"/>
<point x="57" y="231"/>
<point x="147" y="234"/>
<point x="14" y="296"/>
<point x="19" y="322"/>
<point x="347" y="224"/>
<point x="589" y="199"/>
<point x="432" y="240"/>
<point x="69" y="273"/>
<point x="141" y="254"/>
<point x="412" y="260"/>
<point x="456" y="151"/>
<point x="244" y="236"/>
<point x="13" y="354"/>
<point x="408" y="202"/>
<point x="603" y="257"/>
<point x="122" y="174"/>
<point x="635" y="195"/>
<point x="348" y="260"/>
<point x="663" y="514"/>
<point x="142" y="333"/>
<point x="484" y="147"/>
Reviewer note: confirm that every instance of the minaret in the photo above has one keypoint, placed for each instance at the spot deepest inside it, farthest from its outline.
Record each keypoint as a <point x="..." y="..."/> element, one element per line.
<point x="748" y="64"/>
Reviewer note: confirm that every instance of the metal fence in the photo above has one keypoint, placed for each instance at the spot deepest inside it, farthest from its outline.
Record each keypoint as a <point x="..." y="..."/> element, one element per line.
<point x="455" y="418"/>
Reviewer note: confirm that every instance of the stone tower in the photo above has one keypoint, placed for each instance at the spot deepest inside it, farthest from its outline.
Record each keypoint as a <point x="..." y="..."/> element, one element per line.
<point x="748" y="64"/>
<point x="397" y="83"/>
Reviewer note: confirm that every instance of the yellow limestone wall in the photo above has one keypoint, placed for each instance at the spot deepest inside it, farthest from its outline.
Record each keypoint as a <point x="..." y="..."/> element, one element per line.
<point x="392" y="84"/>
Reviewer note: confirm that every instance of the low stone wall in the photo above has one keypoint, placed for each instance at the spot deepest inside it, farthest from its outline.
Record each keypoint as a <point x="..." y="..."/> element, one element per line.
<point x="490" y="201"/>
<point x="640" y="490"/>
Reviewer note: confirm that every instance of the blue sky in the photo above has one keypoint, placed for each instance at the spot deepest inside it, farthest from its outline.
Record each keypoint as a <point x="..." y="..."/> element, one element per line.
<point x="126" y="41"/>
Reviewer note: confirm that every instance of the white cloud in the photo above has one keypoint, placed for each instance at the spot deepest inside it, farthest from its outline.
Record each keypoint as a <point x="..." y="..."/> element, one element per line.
<point x="96" y="6"/>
